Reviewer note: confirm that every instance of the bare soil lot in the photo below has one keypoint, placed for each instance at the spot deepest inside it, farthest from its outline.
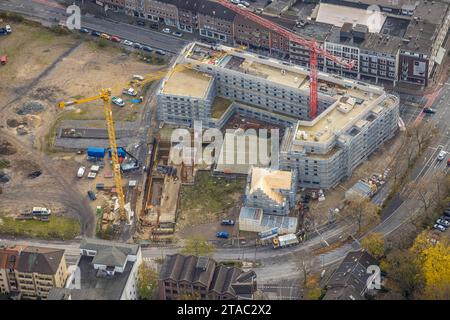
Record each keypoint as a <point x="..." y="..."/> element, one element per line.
<point x="43" y="68"/>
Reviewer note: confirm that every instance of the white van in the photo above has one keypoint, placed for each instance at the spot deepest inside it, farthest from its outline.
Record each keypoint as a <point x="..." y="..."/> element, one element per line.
<point x="81" y="171"/>
<point x="39" y="211"/>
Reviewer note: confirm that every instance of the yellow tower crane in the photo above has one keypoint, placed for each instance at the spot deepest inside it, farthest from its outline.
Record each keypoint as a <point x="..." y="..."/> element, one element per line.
<point x="105" y="95"/>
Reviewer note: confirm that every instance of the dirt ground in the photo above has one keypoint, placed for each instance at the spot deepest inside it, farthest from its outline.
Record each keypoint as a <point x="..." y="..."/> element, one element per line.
<point x="44" y="68"/>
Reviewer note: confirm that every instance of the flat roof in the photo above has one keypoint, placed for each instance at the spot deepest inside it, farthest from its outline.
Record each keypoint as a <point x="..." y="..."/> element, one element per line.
<point x="375" y="42"/>
<point x="338" y="15"/>
<point x="219" y="107"/>
<point x="106" y="287"/>
<point x="230" y="153"/>
<point x="344" y="112"/>
<point x="188" y="82"/>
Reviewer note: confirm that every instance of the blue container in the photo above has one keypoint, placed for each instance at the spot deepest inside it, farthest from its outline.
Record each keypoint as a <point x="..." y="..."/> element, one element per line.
<point x="120" y="152"/>
<point x="96" y="152"/>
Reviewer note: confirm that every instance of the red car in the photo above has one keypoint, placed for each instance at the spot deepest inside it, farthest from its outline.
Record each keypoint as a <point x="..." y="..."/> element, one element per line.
<point x="3" y="59"/>
<point x="115" y="39"/>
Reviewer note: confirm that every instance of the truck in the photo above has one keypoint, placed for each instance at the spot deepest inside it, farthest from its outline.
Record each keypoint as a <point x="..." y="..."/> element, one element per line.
<point x="40" y="211"/>
<point x="96" y="152"/>
<point x="285" y="241"/>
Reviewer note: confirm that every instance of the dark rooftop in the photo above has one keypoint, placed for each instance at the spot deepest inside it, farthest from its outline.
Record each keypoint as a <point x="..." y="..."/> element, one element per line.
<point x="216" y="10"/>
<point x="98" y="244"/>
<point x="97" y="285"/>
<point x="217" y="278"/>
<point x="419" y="36"/>
<point x="373" y="41"/>
<point x="40" y="260"/>
<point x="349" y="281"/>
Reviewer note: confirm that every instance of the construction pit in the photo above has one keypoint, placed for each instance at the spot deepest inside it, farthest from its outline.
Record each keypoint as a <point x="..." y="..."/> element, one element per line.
<point x="44" y="68"/>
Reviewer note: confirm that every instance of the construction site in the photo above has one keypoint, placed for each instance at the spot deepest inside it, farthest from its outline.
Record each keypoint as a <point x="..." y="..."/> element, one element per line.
<point x="99" y="120"/>
<point x="43" y="146"/>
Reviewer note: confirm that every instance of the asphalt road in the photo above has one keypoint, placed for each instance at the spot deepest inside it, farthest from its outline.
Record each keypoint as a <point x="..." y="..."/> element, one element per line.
<point x="47" y="12"/>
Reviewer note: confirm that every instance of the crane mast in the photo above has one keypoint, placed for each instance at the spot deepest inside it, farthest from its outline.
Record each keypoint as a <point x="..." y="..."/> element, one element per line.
<point x="312" y="45"/>
<point x="105" y="96"/>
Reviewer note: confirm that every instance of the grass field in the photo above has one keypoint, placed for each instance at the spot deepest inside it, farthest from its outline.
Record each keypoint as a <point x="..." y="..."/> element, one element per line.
<point x="57" y="228"/>
<point x="209" y="198"/>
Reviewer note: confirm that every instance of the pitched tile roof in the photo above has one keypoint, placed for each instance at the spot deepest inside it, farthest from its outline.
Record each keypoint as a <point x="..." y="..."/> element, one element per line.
<point x="40" y="260"/>
<point x="217" y="278"/>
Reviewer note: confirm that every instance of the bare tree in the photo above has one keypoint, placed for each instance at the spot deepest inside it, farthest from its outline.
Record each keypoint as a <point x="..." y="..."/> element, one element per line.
<point x="363" y="211"/>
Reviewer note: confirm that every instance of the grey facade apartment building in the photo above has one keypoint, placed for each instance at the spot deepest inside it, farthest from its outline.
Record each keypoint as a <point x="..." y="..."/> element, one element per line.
<point x="354" y="118"/>
<point x="204" y="278"/>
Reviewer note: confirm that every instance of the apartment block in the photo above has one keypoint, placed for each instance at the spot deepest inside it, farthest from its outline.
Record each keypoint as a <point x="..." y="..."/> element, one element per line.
<point x="31" y="272"/>
<point x="354" y="118"/>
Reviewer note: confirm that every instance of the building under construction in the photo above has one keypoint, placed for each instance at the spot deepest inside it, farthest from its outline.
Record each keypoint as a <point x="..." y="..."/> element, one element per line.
<point x="354" y="118"/>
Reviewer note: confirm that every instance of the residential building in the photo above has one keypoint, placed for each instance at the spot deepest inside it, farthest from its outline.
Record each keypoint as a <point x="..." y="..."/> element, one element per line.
<point x="271" y="190"/>
<point x="407" y="44"/>
<point x="107" y="271"/>
<point x="216" y="22"/>
<point x="353" y="120"/>
<point x="349" y="281"/>
<point x="31" y="271"/>
<point x="204" y="278"/>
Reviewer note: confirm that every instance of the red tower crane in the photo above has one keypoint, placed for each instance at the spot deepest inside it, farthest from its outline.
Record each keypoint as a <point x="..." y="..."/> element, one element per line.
<point x="314" y="49"/>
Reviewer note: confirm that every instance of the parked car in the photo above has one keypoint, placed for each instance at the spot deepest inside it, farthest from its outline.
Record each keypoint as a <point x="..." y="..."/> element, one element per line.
<point x="447" y="213"/>
<point x="3" y="59"/>
<point x="95" y="33"/>
<point x="91" y="195"/>
<point x="227" y="222"/>
<point x="137" y="45"/>
<point x="240" y="5"/>
<point x="115" y="39"/>
<point x="222" y="235"/>
<point x="8" y="28"/>
<point x="130" y="92"/>
<point x="235" y="1"/>
<point x="154" y="26"/>
<point x="177" y="34"/>
<point x="140" y="23"/>
<point x="445" y="218"/>
<point x="81" y="171"/>
<point x="118" y="101"/>
<point x="84" y="30"/>
<point x="3" y="31"/>
<point x="127" y="43"/>
<point x="166" y="30"/>
<point x="429" y="110"/>
<point x="147" y="48"/>
<point x="160" y="52"/>
<point x="439" y="227"/>
<point x="441" y="155"/>
<point x="245" y="3"/>
<point x="105" y="36"/>
<point x="443" y="223"/>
